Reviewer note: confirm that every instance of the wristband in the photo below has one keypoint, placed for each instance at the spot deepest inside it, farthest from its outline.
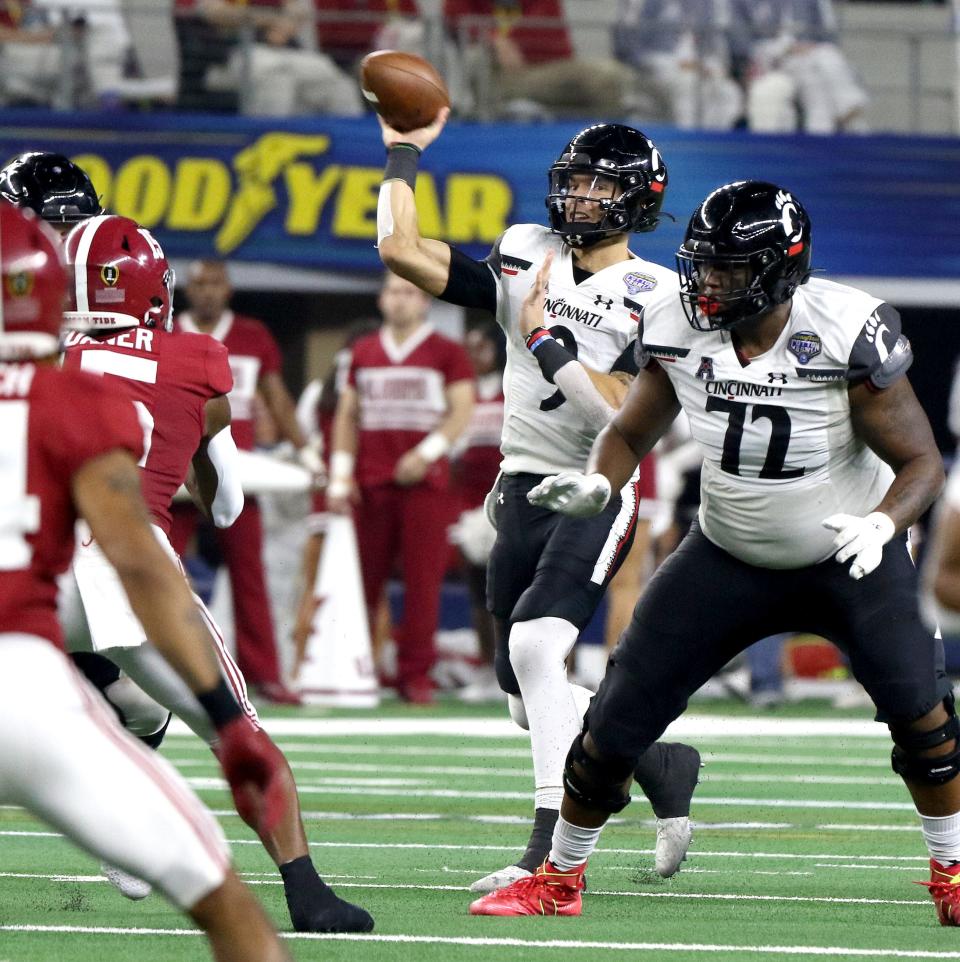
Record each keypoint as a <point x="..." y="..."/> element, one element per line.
<point x="433" y="447"/>
<point x="536" y="337"/>
<point x="550" y="354"/>
<point x="220" y="704"/>
<point x="341" y="466"/>
<point x="402" y="162"/>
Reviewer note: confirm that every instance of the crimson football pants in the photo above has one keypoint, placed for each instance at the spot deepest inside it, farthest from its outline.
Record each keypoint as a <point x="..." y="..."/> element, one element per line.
<point x="242" y="548"/>
<point x="410" y="525"/>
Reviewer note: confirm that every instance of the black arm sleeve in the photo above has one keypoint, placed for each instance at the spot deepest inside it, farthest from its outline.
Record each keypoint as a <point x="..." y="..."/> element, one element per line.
<point x="627" y="362"/>
<point x="473" y="283"/>
<point x="881" y="353"/>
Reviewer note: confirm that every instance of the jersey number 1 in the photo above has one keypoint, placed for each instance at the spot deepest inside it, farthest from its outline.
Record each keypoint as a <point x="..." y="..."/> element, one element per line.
<point x="19" y="511"/>
<point x="779" y="419"/>
<point x="133" y="369"/>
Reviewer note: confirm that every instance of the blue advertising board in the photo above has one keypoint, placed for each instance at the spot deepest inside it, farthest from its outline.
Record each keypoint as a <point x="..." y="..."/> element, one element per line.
<point x="304" y="193"/>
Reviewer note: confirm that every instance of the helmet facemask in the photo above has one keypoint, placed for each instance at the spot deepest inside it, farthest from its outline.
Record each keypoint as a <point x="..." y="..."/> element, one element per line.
<point x="754" y="293"/>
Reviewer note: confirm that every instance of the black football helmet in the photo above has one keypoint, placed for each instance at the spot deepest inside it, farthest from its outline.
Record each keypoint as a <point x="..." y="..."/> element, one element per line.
<point x="622" y="154"/>
<point x="748" y="224"/>
<point x="51" y="185"/>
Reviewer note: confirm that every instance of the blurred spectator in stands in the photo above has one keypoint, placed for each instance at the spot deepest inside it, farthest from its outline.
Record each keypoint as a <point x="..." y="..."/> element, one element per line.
<point x="797" y="74"/>
<point x="347" y="30"/>
<point x="476" y="464"/>
<point x="207" y="81"/>
<point x="408" y="397"/>
<point x="255" y="362"/>
<point x="273" y="66"/>
<point x="29" y="56"/>
<point x="527" y="66"/>
<point x="683" y="46"/>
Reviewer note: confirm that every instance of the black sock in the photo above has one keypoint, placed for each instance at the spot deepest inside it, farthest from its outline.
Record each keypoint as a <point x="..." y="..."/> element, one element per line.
<point x="314" y="906"/>
<point x="541" y="838"/>
<point x="668" y="772"/>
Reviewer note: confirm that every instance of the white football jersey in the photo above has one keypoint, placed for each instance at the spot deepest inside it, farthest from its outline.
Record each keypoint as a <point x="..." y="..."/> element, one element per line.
<point x="780" y="453"/>
<point x="595" y="320"/>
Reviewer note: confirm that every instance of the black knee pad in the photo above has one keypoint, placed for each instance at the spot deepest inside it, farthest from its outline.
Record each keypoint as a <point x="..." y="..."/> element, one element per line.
<point x="597" y="783"/>
<point x="909" y="763"/>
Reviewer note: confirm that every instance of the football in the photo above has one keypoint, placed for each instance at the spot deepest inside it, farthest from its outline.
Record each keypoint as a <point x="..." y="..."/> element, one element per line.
<point x="404" y="89"/>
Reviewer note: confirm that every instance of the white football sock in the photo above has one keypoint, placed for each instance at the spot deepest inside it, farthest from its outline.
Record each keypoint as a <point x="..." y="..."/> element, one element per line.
<point x="538" y="650"/>
<point x="942" y="835"/>
<point x="572" y="844"/>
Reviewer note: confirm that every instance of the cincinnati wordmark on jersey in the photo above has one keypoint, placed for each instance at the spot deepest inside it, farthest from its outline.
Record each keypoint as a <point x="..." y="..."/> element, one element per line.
<point x="595" y="320"/>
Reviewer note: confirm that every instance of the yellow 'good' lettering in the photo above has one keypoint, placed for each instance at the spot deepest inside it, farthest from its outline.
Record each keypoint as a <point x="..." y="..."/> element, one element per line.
<point x="201" y="192"/>
<point x="356" y="211"/>
<point x="98" y="170"/>
<point x="308" y="192"/>
<point x="142" y="190"/>
<point x="477" y="207"/>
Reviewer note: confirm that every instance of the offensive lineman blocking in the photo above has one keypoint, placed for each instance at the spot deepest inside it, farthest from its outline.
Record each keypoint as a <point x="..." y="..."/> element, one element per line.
<point x="816" y="452"/>
<point x="546" y="575"/>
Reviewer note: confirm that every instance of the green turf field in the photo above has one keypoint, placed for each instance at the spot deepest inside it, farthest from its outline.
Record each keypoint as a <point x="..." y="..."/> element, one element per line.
<point x="805" y="847"/>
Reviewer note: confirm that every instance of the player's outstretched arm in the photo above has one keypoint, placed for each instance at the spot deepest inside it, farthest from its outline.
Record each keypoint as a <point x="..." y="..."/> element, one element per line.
<point x="895" y="427"/>
<point x="106" y="491"/>
<point x="650" y="408"/>
<point x="403" y="250"/>
<point x="216" y="466"/>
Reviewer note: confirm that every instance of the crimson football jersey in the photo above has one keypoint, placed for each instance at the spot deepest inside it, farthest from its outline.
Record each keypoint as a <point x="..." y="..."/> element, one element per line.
<point x="477" y="461"/>
<point x="52" y="422"/>
<point x="169" y="378"/>
<point x="401" y="396"/>
<point x="253" y="353"/>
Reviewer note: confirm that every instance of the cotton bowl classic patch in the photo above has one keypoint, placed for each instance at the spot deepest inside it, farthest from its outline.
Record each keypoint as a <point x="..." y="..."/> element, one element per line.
<point x="637" y="283"/>
<point x="805" y="345"/>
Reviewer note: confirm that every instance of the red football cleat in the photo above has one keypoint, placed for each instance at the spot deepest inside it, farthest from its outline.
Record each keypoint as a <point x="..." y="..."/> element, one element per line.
<point x="547" y="892"/>
<point x="944" y="888"/>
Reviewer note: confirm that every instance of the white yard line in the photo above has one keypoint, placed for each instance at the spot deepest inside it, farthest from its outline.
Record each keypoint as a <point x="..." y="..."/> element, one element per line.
<point x="687" y="726"/>
<point x="548" y="944"/>
<point x="696" y="852"/>
<point x="443" y="771"/>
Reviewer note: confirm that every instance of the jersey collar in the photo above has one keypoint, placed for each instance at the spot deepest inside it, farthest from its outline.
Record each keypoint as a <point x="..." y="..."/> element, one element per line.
<point x="220" y="331"/>
<point x="398" y="353"/>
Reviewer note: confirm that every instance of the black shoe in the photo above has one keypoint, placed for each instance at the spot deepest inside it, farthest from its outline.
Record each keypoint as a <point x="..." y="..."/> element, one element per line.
<point x="314" y="906"/>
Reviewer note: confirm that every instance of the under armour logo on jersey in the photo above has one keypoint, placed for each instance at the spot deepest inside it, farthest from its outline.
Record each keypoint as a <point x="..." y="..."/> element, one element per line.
<point x="600" y="300"/>
<point x="774" y="377"/>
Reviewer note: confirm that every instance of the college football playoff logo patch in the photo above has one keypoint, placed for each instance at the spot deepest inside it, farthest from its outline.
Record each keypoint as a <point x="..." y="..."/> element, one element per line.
<point x="20" y="284"/>
<point x="110" y="275"/>
<point x="637" y="283"/>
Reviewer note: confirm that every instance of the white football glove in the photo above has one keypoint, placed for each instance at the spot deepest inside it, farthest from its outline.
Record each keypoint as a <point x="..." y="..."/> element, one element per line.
<point x="572" y="493"/>
<point x="861" y="539"/>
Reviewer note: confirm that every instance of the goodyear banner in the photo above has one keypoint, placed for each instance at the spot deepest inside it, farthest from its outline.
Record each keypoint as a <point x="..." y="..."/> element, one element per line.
<point x="304" y="193"/>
